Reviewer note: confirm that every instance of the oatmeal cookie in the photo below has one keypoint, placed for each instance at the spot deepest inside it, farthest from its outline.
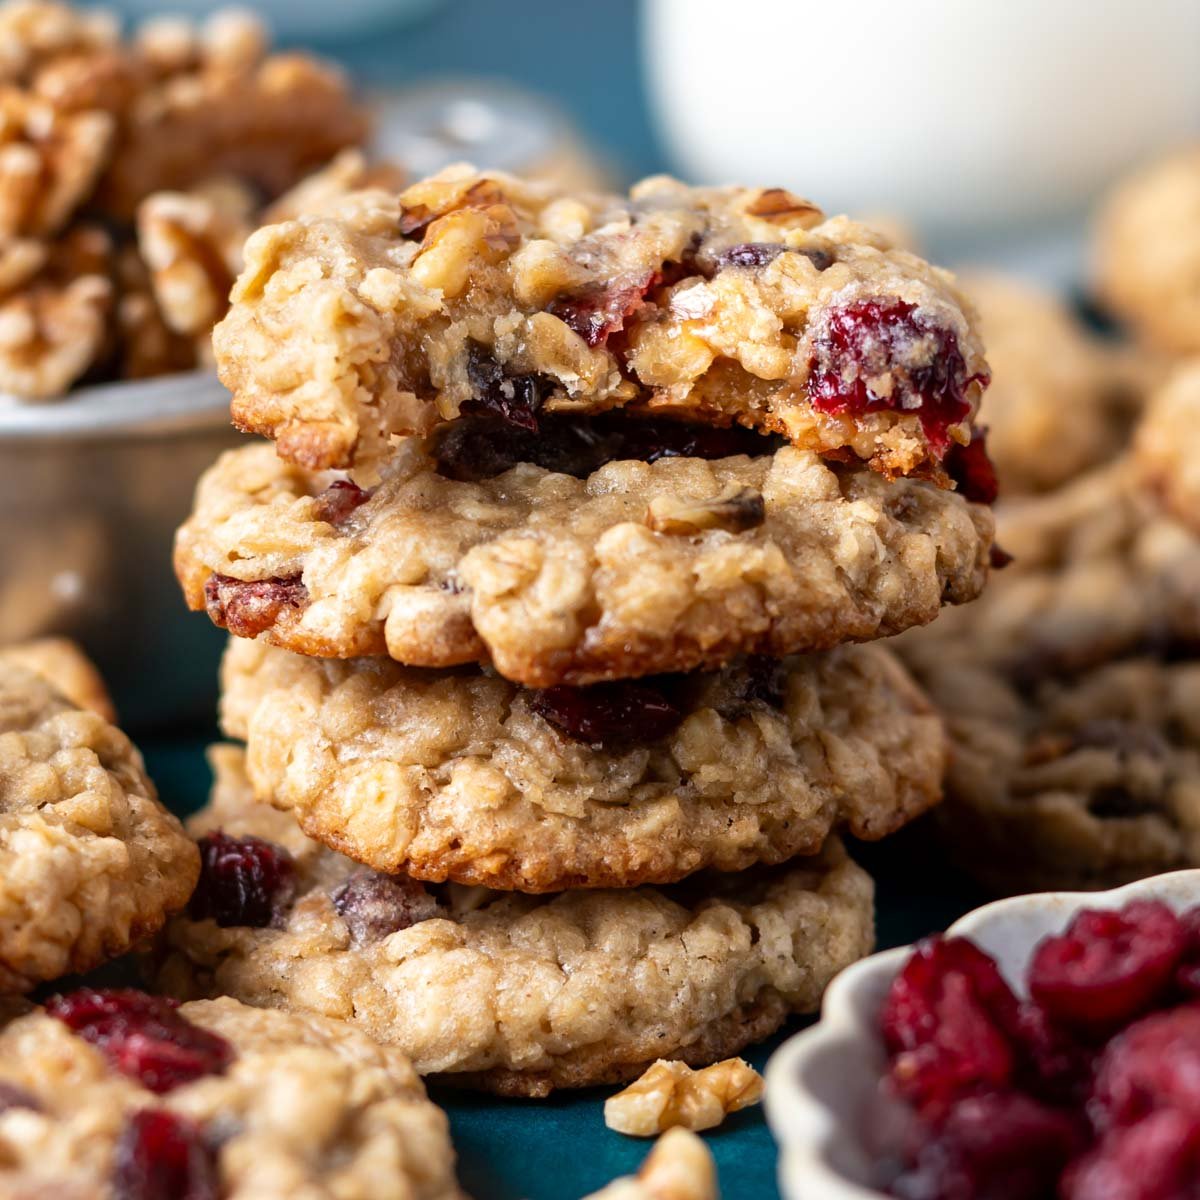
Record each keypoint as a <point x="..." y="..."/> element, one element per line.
<point x="1097" y="572"/>
<point x="1147" y="252"/>
<point x="1168" y="444"/>
<point x="67" y="668"/>
<point x="191" y="242"/>
<point x="1081" y="781"/>
<point x="116" y="1093"/>
<point x="516" y="994"/>
<point x="471" y="778"/>
<point x="90" y="862"/>
<point x="1060" y="401"/>
<point x="636" y="568"/>
<point x="468" y="290"/>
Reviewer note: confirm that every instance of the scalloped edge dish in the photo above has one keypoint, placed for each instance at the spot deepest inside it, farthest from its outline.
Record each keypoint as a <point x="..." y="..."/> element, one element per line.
<point x="823" y="1100"/>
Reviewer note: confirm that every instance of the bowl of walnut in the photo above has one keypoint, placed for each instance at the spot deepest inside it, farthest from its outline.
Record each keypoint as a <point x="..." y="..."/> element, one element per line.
<point x="133" y="165"/>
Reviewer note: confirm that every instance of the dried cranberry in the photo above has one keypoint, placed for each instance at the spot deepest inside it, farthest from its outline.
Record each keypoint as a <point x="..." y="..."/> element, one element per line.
<point x="243" y="881"/>
<point x="13" y="1096"/>
<point x="857" y="346"/>
<point x="750" y="254"/>
<point x="949" y="1022"/>
<point x="515" y="398"/>
<point x="1054" y="1065"/>
<point x="373" y="905"/>
<point x="339" y="500"/>
<point x="998" y="557"/>
<point x="1108" y="966"/>
<point x="994" y="1146"/>
<point x="1157" y="1159"/>
<point x="143" y="1036"/>
<point x="760" y="254"/>
<point x="600" y="309"/>
<point x="1187" y="974"/>
<point x="609" y="712"/>
<point x="1153" y="1064"/>
<point x="972" y="470"/>
<point x="250" y="607"/>
<point x="163" y="1156"/>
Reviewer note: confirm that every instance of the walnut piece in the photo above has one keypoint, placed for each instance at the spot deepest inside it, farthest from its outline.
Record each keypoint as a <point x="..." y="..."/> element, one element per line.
<point x="679" y="1167"/>
<point x="735" y="510"/>
<point x="191" y="243"/>
<point x="672" y="1094"/>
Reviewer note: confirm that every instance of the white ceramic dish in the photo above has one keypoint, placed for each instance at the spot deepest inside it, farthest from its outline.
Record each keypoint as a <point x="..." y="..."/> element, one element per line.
<point x="823" y="1100"/>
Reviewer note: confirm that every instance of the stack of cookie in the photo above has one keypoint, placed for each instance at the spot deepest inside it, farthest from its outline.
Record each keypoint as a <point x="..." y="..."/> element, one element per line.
<point x="544" y="600"/>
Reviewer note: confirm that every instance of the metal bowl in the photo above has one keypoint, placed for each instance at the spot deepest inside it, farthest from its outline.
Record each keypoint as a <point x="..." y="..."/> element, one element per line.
<point x="92" y="488"/>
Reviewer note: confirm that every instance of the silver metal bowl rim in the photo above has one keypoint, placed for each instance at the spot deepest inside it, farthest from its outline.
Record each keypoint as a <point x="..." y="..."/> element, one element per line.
<point x="169" y="405"/>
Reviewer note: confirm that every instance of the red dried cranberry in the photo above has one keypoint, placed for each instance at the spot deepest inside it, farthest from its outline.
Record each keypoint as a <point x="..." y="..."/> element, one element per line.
<point x="972" y="470"/>
<point x="143" y="1036"/>
<point x="999" y="558"/>
<point x="856" y="345"/>
<point x="994" y="1146"/>
<point x="373" y="905"/>
<point x="250" y="607"/>
<point x="515" y="398"/>
<point x="1153" y="1064"/>
<point x="243" y="881"/>
<point x="1156" y="1159"/>
<point x="949" y="1022"/>
<point x="600" y="309"/>
<point x="163" y="1156"/>
<point x="1108" y="966"/>
<point x="339" y="500"/>
<point x="1054" y="1064"/>
<point x="1187" y="974"/>
<point x="608" y="712"/>
<point x="12" y="1096"/>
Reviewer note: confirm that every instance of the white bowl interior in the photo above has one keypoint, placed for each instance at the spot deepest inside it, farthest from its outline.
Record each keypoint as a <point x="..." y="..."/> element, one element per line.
<point x="823" y="1100"/>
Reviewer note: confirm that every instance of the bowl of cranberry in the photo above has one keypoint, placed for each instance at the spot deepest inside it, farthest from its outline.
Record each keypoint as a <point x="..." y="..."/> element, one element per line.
<point x="1046" y="1047"/>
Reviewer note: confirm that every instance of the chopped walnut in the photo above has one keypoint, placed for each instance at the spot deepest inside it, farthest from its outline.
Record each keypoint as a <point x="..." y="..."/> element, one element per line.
<point x="49" y="162"/>
<point x="55" y="326"/>
<point x="191" y="243"/>
<point x="671" y="1093"/>
<point x="268" y="122"/>
<point x="735" y="510"/>
<point x="146" y="345"/>
<point x="679" y="1167"/>
<point x="33" y="31"/>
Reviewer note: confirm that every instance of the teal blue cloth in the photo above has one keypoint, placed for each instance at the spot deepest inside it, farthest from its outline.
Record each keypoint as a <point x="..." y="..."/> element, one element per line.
<point x="559" y="1149"/>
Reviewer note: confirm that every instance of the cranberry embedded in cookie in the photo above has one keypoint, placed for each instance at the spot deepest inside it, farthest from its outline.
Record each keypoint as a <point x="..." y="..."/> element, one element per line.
<point x="479" y="292"/>
<point x="134" y="1097"/>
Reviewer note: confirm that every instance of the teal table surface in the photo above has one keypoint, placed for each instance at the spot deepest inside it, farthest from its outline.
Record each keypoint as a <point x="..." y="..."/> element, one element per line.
<point x="559" y="1149"/>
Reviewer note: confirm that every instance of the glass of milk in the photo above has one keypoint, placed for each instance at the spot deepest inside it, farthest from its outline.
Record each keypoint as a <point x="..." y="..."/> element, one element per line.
<point x="960" y="115"/>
